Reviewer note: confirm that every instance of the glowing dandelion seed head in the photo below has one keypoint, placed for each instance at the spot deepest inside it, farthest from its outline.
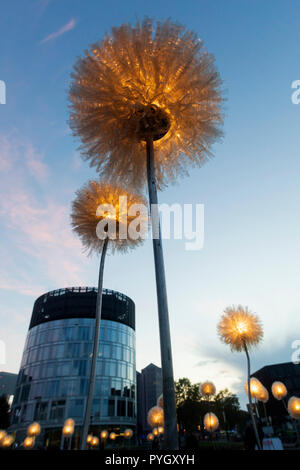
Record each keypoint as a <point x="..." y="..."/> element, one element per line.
<point x="146" y="80"/>
<point x="279" y="390"/>
<point x="85" y="217"/>
<point x="239" y="327"/>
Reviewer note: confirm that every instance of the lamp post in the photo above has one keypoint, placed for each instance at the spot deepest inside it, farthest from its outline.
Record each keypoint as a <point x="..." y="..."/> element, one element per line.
<point x="102" y="221"/>
<point x="241" y="329"/>
<point x="139" y="86"/>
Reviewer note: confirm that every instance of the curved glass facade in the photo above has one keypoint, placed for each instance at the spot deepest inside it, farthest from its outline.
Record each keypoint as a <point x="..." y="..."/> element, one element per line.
<point x="53" y="380"/>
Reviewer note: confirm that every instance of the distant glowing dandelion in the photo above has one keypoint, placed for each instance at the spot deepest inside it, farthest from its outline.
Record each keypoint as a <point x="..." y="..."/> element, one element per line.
<point x="279" y="390"/>
<point x="238" y="326"/>
<point x="241" y="330"/>
<point x="155" y="416"/>
<point x="294" y="407"/>
<point x="207" y="389"/>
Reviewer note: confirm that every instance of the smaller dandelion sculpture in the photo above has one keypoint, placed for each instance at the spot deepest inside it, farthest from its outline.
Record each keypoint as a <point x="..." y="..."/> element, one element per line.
<point x="241" y="330"/>
<point x="103" y="217"/>
<point x="207" y="389"/>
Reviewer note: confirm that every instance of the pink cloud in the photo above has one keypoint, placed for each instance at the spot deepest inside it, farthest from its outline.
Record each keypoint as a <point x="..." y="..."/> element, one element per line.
<point x="67" y="27"/>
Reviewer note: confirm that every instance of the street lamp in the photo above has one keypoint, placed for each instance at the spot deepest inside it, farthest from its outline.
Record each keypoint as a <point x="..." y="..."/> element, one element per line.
<point x="147" y="84"/>
<point x="102" y="220"/>
<point x="241" y="330"/>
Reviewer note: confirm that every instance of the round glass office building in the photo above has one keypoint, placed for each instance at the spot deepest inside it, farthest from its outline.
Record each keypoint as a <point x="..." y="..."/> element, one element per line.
<point x="53" y="380"/>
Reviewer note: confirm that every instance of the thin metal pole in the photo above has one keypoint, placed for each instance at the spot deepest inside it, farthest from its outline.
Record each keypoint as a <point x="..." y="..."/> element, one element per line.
<point x="170" y="422"/>
<point x="250" y="400"/>
<point x="89" y="401"/>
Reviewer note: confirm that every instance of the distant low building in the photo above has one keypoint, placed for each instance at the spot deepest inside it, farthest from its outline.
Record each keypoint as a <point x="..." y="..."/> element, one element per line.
<point x="289" y="374"/>
<point x="149" y="388"/>
<point x="7" y="385"/>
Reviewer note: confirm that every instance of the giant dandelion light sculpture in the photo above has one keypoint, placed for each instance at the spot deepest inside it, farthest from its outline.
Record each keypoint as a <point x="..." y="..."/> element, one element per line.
<point x="105" y="217"/>
<point x="242" y="330"/>
<point x="143" y="84"/>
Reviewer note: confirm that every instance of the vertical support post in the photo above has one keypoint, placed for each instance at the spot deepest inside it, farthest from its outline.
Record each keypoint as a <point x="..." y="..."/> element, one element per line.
<point x="170" y="422"/>
<point x="250" y="400"/>
<point x="89" y="401"/>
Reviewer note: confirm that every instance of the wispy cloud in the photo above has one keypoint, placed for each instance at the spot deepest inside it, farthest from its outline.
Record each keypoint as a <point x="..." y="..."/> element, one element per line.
<point x="64" y="29"/>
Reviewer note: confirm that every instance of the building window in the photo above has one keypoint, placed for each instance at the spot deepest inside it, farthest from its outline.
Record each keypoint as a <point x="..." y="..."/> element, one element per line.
<point x="75" y="408"/>
<point x="111" y="407"/>
<point x="40" y="413"/>
<point x="57" y="410"/>
<point x="121" y="408"/>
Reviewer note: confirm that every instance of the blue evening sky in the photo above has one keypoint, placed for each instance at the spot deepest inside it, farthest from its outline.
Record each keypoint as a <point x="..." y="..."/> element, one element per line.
<point x="250" y="190"/>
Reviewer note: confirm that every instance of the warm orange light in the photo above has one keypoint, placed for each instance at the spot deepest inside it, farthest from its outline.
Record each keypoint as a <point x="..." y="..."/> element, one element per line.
<point x="128" y="433"/>
<point x="279" y="390"/>
<point x="155" y="432"/>
<point x="160" y="429"/>
<point x="2" y="434"/>
<point x="211" y="422"/>
<point x="155" y="416"/>
<point x="140" y="66"/>
<point x="34" y="429"/>
<point x="256" y="387"/>
<point x="89" y="210"/>
<point x="294" y="407"/>
<point x="150" y="437"/>
<point x="239" y="327"/>
<point x="28" y="442"/>
<point x="7" y="441"/>
<point x="89" y="439"/>
<point x="263" y="395"/>
<point x="112" y="436"/>
<point x="104" y="435"/>
<point x="207" y="389"/>
<point x="94" y="441"/>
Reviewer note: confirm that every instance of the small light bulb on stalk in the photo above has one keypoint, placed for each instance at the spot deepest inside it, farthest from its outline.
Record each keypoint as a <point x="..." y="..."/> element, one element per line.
<point x="34" y="429"/>
<point x="211" y="422"/>
<point x="279" y="390"/>
<point x="104" y="435"/>
<point x="128" y="433"/>
<point x="113" y="436"/>
<point x="294" y="407"/>
<point x="2" y="434"/>
<point x="28" y="442"/>
<point x="7" y="441"/>
<point x="207" y="389"/>
<point x="155" y="416"/>
<point x="256" y="387"/>
<point x="150" y="437"/>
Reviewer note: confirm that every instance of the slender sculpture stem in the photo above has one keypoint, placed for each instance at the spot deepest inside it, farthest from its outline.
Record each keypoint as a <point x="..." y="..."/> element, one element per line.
<point x="170" y="422"/>
<point x="250" y="400"/>
<point x="89" y="401"/>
